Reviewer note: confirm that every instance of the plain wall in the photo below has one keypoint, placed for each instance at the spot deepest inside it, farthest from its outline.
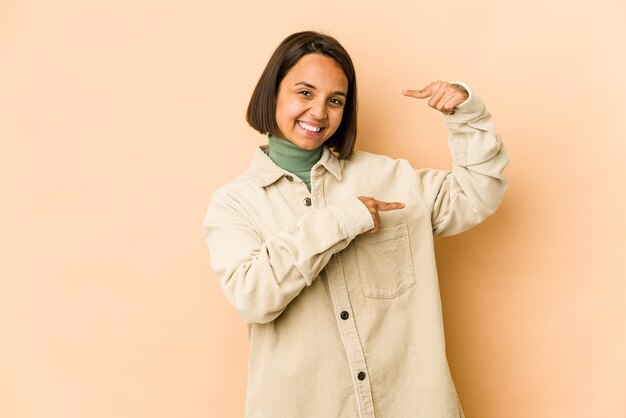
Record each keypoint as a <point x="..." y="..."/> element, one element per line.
<point x="118" y="120"/>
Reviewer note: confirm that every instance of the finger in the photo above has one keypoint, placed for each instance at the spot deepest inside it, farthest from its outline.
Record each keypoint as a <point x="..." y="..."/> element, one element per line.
<point x="456" y="97"/>
<point x="376" y="218"/>
<point x="451" y="104"/>
<point x="436" y="97"/>
<point x="367" y="201"/>
<point x="424" y="93"/>
<point x="386" y="206"/>
<point x="444" y="101"/>
<point x="451" y="100"/>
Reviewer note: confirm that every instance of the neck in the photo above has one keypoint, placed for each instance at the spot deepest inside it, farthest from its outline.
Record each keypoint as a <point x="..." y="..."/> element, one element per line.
<point x="291" y="157"/>
<point x="294" y="159"/>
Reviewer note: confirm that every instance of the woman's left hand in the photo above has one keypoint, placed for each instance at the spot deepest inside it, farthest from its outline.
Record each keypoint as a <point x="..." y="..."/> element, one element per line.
<point x="444" y="97"/>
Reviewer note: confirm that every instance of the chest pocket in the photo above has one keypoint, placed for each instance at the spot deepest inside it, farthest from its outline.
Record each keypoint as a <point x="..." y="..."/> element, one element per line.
<point x="384" y="262"/>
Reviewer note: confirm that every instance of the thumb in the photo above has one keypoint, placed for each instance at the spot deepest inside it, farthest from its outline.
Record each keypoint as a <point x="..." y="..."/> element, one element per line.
<point x="419" y="94"/>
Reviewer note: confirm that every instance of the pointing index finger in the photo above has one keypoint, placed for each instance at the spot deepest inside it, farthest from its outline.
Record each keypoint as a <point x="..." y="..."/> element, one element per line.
<point x="419" y="94"/>
<point x="385" y="206"/>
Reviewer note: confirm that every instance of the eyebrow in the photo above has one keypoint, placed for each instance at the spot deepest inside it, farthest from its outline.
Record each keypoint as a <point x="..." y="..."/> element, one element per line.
<point x="311" y="86"/>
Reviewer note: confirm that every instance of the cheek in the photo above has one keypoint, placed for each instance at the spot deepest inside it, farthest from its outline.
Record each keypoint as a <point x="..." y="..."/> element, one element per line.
<point x="284" y="108"/>
<point x="282" y="115"/>
<point x="336" y="117"/>
<point x="292" y="109"/>
<point x="285" y="115"/>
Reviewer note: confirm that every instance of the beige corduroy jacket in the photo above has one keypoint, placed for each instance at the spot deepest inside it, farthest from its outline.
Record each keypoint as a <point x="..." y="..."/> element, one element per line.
<point x="341" y="322"/>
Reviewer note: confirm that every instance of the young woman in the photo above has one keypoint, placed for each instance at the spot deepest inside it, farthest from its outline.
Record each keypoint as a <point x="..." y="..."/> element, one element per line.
<point x="328" y="253"/>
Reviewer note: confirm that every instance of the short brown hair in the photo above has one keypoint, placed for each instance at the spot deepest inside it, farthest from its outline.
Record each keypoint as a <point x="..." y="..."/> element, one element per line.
<point x="261" y="114"/>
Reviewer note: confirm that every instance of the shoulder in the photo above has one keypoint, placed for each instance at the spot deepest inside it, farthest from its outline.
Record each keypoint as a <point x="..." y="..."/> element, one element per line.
<point x="223" y="203"/>
<point x="260" y="172"/>
<point x="245" y="184"/>
<point x="232" y="198"/>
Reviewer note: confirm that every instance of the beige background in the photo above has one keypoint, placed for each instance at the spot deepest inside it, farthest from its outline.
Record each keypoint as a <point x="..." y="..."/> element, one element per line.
<point x="119" y="118"/>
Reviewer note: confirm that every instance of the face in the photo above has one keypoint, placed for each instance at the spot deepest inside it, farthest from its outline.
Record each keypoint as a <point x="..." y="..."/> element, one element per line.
<point x="310" y="101"/>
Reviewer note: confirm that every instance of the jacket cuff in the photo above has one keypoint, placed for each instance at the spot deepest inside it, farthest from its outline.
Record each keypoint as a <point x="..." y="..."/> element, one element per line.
<point x="472" y="108"/>
<point x="354" y="216"/>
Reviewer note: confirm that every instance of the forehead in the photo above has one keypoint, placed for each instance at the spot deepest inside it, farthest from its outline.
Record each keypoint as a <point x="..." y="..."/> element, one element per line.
<point x="319" y="70"/>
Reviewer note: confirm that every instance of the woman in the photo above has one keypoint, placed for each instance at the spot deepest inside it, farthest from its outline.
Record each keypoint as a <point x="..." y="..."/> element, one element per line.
<point x="328" y="253"/>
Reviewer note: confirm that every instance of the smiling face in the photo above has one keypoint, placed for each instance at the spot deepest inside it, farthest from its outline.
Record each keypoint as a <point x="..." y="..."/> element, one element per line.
<point x="310" y="101"/>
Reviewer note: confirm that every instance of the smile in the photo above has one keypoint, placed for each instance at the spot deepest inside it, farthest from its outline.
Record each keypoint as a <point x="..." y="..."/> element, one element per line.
<point x="308" y="127"/>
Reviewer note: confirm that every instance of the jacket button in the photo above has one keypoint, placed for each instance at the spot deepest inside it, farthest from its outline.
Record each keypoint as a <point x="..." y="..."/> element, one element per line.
<point x="307" y="201"/>
<point x="361" y="376"/>
<point x="289" y="178"/>
<point x="345" y="315"/>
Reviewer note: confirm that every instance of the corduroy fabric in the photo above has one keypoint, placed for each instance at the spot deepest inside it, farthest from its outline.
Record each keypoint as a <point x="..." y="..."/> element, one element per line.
<point x="341" y="322"/>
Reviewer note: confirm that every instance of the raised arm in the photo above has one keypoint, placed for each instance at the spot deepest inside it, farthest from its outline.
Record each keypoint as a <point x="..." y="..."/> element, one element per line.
<point x="473" y="190"/>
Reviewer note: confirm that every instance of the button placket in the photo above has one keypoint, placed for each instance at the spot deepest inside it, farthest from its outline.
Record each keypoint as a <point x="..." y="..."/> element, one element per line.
<point x="350" y="337"/>
<point x="317" y="186"/>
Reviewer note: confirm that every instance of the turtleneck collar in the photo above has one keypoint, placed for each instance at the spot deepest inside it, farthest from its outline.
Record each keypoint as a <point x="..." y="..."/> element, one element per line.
<point x="291" y="157"/>
<point x="294" y="159"/>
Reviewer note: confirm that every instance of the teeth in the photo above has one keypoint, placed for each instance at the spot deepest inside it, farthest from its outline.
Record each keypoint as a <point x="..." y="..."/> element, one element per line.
<point x="309" y="127"/>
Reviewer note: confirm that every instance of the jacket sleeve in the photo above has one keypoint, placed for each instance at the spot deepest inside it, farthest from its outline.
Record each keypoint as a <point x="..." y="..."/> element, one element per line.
<point x="260" y="276"/>
<point x="474" y="188"/>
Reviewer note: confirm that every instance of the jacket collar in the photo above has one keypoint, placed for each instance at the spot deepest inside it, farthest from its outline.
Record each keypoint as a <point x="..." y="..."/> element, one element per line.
<point x="266" y="172"/>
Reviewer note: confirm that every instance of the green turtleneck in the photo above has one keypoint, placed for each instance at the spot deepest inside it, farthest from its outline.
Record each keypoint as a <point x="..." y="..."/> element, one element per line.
<point x="294" y="159"/>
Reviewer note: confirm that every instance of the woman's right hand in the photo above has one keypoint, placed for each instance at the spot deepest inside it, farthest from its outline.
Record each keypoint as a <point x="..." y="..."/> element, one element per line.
<point x="375" y="206"/>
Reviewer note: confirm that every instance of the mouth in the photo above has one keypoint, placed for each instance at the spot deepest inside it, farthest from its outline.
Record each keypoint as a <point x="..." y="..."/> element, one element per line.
<point x="311" y="128"/>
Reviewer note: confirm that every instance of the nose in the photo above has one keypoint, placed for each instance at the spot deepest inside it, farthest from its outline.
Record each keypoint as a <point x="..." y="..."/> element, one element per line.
<point x="318" y="109"/>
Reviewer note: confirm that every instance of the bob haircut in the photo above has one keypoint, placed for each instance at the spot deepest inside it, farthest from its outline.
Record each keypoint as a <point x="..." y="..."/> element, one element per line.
<point x="261" y="114"/>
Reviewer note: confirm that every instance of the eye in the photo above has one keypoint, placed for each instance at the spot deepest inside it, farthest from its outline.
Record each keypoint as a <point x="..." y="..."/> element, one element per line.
<point x="305" y="93"/>
<point x="337" y="102"/>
